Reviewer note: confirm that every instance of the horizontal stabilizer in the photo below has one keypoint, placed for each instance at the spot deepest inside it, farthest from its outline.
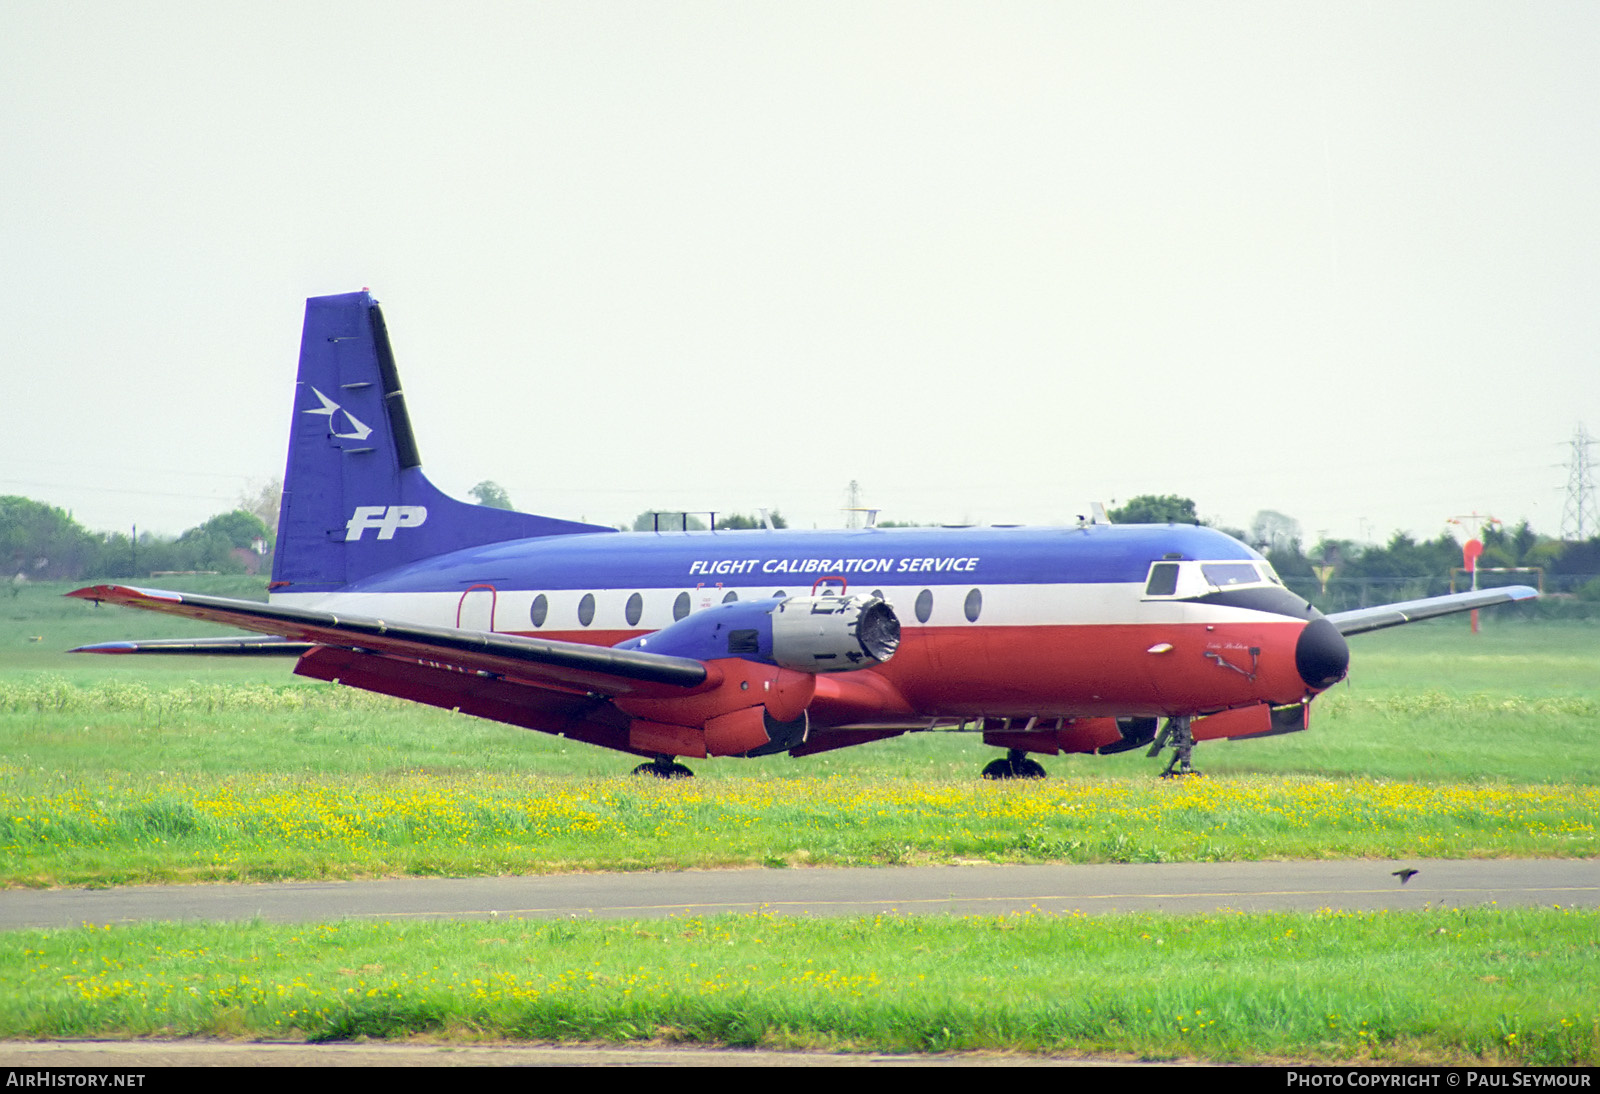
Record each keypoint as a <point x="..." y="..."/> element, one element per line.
<point x="258" y="645"/>
<point x="1362" y="620"/>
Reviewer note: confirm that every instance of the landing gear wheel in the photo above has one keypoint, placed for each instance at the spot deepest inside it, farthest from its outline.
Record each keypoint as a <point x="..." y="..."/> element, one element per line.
<point x="1016" y="765"/>
<point x="662" y="767"/>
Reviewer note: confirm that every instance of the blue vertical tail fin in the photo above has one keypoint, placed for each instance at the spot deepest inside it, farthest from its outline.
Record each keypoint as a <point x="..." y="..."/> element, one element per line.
<point x="355" y="500"/>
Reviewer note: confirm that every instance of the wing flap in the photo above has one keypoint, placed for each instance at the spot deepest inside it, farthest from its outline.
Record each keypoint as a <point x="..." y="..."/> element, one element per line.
<point x="568" y="714"/>
<point x="561" y="664"/>
<point x="1361" y="620"/>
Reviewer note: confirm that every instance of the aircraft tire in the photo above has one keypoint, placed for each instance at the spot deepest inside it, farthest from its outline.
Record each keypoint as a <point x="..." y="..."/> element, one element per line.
<point x="1018" y="768"/>
<point x="664" y="770"/>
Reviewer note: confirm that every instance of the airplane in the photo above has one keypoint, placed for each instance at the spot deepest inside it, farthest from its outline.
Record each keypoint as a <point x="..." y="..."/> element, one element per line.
<point x="1098" y="638"/>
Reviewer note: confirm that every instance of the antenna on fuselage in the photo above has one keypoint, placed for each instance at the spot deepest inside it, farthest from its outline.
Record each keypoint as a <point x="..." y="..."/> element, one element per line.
<point x="683" y="517"/>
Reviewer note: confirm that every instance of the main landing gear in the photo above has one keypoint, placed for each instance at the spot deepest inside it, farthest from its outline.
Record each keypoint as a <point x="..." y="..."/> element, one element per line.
<point x="1177" y="734"/>
<point x="663" y="767"/>
<point x="1016" y="765"/>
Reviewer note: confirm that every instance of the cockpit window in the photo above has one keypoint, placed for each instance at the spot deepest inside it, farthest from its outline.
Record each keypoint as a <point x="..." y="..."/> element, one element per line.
<point x="1195" y="580"/>
<point x="1224" y="574"/>
<point x="1163" y="579"/>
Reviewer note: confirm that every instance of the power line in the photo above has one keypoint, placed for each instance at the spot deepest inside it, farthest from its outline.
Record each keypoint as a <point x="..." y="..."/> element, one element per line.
<point x="852" y="504"/>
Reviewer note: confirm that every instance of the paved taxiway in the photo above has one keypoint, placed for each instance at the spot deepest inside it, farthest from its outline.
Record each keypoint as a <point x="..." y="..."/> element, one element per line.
<point x="1353" y="885"/>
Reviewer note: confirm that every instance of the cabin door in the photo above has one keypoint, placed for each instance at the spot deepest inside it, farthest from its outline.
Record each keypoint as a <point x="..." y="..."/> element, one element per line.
<point x="475" y="612"/>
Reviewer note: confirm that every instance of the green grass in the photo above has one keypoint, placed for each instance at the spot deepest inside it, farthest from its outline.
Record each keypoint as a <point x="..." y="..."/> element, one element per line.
<point x="65" y="831"/>
<point x="1511" y="986"/>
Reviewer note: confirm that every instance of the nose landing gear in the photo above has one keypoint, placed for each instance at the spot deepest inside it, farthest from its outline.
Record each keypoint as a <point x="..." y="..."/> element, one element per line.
<point x="1176" y="732"/>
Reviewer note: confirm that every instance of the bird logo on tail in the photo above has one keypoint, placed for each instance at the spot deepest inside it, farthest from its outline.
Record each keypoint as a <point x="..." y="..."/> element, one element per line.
<point x="360" y="430"/>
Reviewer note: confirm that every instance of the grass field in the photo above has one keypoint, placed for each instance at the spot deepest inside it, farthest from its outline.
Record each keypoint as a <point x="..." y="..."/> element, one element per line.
<point x="1441" y="744"/>
<point x="1457" y="986"/>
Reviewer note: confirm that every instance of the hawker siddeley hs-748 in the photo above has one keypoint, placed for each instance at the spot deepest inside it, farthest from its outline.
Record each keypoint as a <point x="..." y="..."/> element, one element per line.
<point x="669" y="644"/>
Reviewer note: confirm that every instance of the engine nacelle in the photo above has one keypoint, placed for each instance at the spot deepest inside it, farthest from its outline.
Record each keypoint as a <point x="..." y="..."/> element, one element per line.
<point x="803" y="633"/>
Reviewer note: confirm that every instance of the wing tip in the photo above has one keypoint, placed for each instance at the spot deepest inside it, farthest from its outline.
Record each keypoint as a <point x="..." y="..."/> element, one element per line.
<point x="106" y="647"/>
<point x="123" y="594"/>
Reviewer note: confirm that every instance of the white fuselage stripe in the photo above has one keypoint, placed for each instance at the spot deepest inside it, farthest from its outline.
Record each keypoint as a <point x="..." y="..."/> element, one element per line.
<point x="1001" y="606"/>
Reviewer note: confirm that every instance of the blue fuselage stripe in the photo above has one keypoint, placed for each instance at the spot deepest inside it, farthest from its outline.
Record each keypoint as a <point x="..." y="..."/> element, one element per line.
<point x="1098" y="554"/>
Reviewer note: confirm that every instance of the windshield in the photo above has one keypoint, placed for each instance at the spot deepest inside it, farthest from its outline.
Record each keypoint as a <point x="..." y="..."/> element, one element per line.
<point x="1224" y="574"/>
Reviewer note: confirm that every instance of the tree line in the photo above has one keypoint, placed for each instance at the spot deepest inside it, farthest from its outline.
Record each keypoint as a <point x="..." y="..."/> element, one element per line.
<point x="41" y="542"/>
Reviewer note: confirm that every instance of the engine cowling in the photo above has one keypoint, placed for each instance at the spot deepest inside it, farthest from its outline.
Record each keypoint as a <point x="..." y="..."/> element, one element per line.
<point x="814" y="634"/>
<point x="833" y="633"/>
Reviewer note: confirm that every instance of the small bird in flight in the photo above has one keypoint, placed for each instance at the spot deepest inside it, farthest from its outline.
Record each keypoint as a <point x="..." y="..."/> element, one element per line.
<point x="1405" y="874"/>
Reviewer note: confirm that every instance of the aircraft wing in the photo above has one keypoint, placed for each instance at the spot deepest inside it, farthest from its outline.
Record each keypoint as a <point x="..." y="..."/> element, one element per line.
<point x="1361" y="620"/>
<point x="566" y="665"/>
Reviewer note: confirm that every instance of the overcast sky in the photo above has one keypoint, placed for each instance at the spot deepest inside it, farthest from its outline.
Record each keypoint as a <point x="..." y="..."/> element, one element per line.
<point x="992" y="261"/>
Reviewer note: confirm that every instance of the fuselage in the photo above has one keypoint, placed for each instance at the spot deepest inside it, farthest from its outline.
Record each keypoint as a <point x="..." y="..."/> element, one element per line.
<point x="1014" y="623"/>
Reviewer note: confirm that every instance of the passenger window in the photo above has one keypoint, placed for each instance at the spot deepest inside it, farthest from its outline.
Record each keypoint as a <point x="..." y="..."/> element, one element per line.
<point x="540" y="610"/>
<point x="634" y="610"/>
<point x="680" y="606"/>
<point x="730" y="597"/>
<point x="586" y="609"/>
<point x="973" y="606"/>
<point x="924" y="605"/>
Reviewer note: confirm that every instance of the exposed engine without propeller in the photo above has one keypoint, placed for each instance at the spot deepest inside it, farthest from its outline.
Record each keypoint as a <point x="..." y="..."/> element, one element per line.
<point x="813" y="634"/>
<point x="833" y="633"/>
<point x="767" y="655"/>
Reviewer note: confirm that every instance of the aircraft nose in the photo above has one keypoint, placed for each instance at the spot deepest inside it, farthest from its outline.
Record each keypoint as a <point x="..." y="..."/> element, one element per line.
<point x="1321" y="655"/>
